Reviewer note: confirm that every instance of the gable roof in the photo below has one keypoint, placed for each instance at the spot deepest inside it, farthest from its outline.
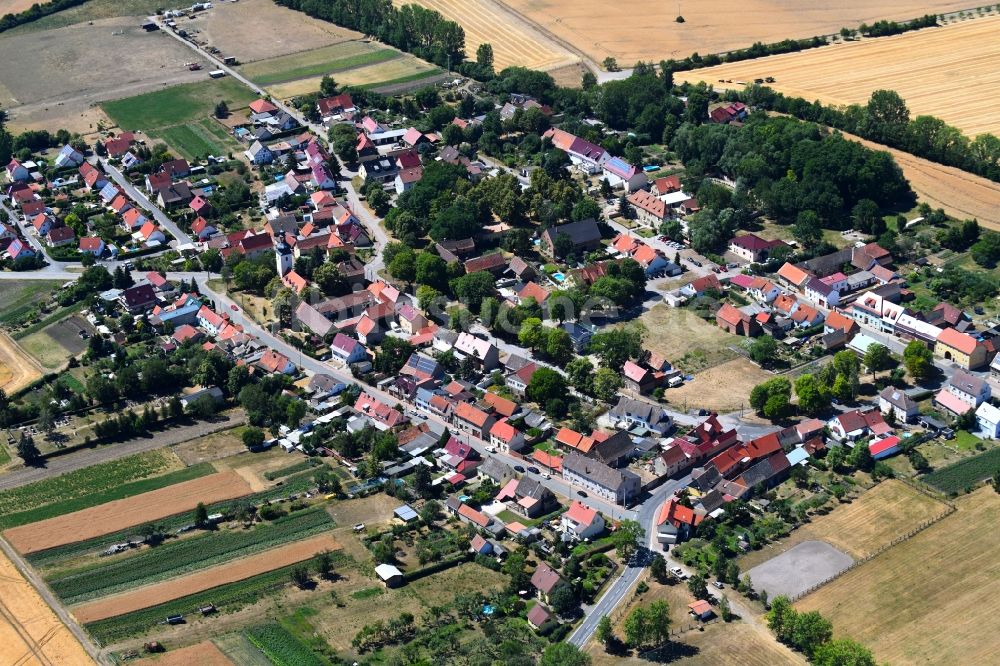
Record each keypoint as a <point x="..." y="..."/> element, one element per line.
<point x="793" y="274"/>
<point x="963" y="342"/>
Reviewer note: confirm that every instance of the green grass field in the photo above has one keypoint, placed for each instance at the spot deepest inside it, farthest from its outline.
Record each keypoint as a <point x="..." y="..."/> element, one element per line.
<point x="227" y="597"/>
<point x="118" y="491"/>
<point x="45" y="350"/>
<point x="197" y="138"/>
<point x="282" y="646"/>
<point x="177" y="557"/>
<point x="318" y="62"/>
<point x="4" y="455"/>
<point x="411" y="78"/>
<point x="965" y="473"/>
<point x="177" y="105"/>
<point x="80" y="483"/>
<point x="21" y="299"/>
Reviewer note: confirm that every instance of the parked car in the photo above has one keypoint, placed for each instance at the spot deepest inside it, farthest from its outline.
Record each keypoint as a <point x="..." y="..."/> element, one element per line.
<point x="534" y="470"/>
<point x="519" y="469"/>
<point x="581" y="493"/>
<point x="718" y="584"/>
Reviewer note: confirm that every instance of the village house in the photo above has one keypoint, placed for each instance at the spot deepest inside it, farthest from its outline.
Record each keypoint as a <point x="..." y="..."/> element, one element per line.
<point x="484" y="354"/>
<point x="528" y="497"/>
<point x="584" y="236"/>
<point x="902" y="406"/>
<point x="518" y="381"/>
<point x="675" y="522"/>
<point x="470" y="419"/>
<point x="639" y="379"/>
<point x="545" y="580"/>
<point x="460" y="457"/>
<point x="988" y="420"/>
<point x="381" y="415"/>
<point x="347" y="350"/>
<point x="650" y="211"/>
<point x="92" y="244"/>
<point x="276" y="363"/>
<point x="139" y="298"/>
<point x="960" y="348"/>
<point x="753" y="248"/>
<point x="619" y="486"/>
<point x="855" y="424"/>
<point x="506" y="438"/>
<point x="581" y="522"/>
<point x="631" y="413"/>
<point x="963" y="392"/>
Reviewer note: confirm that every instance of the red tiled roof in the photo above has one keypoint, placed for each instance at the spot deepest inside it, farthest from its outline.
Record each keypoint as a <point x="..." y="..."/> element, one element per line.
<point x="957" y="340"/>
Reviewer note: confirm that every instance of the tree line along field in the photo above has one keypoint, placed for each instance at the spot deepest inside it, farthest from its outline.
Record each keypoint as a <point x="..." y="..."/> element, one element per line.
<point x="647" y="29"/>
<point x="948" y="72"/>
<point x="515" y="41"/>
<point x="932" y="599"/>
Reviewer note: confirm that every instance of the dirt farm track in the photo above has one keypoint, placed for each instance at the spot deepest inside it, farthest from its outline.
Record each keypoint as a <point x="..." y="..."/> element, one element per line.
<point x="30" y="633"/>
<point x="230" y="572"/>
<point x="949" y="72"/>
<point x="128" y="512"/>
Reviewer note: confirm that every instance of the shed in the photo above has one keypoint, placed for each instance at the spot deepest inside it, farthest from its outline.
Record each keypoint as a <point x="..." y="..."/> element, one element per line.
<point x="406" y="513"/>
<point x="390" y="575"/>
<point x="701" y="609"/>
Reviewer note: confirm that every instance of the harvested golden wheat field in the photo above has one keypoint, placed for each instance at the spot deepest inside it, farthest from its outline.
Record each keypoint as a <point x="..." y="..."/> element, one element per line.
<point x="514" y="40"/>
<point x="961" y="194"/>
<point x="129" y="512"/>
<point x="30" y="633"/>
<point x="168" y="590"/>
<point x="930" y="600"/>
<point x="951" y="72"/>
<point x="647" y="30"/>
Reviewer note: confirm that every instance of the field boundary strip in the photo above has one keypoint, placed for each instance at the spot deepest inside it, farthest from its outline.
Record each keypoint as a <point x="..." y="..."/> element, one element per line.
<point x="124" y="513"/>
<point x="878" y="551"/>
<point x="178" y="588"/>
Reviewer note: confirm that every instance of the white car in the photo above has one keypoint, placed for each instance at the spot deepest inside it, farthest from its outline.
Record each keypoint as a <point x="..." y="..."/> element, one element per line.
<point x="718" y="584"/>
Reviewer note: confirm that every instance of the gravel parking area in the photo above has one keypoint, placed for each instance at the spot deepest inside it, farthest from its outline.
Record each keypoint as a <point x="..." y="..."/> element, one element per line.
<point x="798" y="569"/>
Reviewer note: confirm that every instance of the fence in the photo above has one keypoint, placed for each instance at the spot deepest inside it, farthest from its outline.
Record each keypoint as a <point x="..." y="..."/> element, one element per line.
<point x="872" y="555"/>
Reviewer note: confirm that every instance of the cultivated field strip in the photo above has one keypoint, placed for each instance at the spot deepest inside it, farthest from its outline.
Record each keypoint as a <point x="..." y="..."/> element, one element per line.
<point x="199" y="654"/>
<point x="951" y="72"/>
<point x="647" y="29"/>
<point x="514" y="40"/>
<point x="177" y="557"/>
<point x="123" y="513"/>
<point x="176" y="588"/>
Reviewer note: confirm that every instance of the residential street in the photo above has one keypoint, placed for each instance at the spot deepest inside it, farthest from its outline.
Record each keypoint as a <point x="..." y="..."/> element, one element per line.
<point x="619" y="589"/>
<point x="140" y="198"/>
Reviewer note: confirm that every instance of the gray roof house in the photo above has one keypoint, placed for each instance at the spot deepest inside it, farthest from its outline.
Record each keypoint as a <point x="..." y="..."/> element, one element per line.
<point x="632" y="413"/>
<point x="615" y="485"/>
<point x="892" y="399"/>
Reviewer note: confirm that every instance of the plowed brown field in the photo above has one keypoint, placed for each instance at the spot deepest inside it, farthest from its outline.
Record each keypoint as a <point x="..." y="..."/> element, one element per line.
<point x="949" y="72"/>
<point x="128" y="512"/>
<point x="202" y="654"/>
<point x="17" y="369"/>
<point x="647" y="30"/>
<point x="169" y="590"/>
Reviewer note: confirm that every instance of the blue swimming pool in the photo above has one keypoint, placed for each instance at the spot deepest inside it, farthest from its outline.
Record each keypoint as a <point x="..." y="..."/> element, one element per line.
<point x="558" y="277"/>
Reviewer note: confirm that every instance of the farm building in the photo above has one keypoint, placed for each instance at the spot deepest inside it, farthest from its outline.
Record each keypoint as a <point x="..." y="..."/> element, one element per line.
<point x="389" y="575"/>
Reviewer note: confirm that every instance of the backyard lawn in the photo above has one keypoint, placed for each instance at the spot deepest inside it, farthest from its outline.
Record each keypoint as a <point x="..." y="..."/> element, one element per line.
<point x="177" y="104"/>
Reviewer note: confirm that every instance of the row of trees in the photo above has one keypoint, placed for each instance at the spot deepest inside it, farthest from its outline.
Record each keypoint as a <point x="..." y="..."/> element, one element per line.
<point x="812" y="634"/>
<point x="412" y="28"/>
<point x="886" y="119"/>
